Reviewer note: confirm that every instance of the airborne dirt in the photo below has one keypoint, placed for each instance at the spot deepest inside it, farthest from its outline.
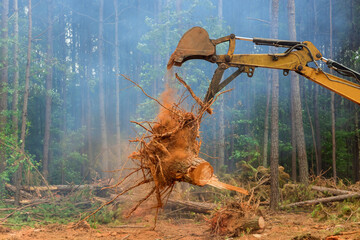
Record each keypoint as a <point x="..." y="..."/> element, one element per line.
<point x="282" y="226"/>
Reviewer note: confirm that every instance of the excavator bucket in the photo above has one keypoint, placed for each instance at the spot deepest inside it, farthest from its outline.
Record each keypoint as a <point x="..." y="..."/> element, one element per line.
<point x="194" y="44"/>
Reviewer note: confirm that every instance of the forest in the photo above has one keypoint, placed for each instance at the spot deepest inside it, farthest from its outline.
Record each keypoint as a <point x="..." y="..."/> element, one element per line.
<point x="83" y="82"/>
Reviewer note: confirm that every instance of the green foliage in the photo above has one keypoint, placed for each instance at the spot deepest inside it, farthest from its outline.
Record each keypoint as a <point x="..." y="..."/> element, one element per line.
<point x="10" y="147"/>
<point x="7" y="146"/>
<point x="68" y="166"/>
<point x="296" y="193"/>
<point x="107" y="215"/>
<point x="163" y="37"/>
<point x="65" y="210"/>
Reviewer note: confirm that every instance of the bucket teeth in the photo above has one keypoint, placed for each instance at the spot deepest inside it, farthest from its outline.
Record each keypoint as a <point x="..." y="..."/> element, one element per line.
<point x="194" y="44"/>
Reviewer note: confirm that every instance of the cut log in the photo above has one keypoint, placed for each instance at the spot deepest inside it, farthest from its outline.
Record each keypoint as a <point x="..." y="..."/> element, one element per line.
<point x="333" y="191"/>
<point x="197" y="207"/>
<point x="323" y="200"/>
<point x="12" y="188"/>
<point x="61" y="187"/>
<point x="250" y="224"/>
<point x="27" y="201"/>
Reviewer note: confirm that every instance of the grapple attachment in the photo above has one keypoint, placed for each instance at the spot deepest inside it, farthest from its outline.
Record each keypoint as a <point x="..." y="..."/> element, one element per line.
<point x="194" y="44"/>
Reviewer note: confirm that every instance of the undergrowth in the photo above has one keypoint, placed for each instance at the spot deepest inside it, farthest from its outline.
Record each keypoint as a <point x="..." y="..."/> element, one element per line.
<point x="340" y="211"/>
<point x="62" y="210"/>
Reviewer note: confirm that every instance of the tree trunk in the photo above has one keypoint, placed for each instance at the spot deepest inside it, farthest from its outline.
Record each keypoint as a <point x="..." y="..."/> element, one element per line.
<point x="214" y="140"/>
<point x="103" y="127"/>
<point x="316" y="107"/>
<point x="356" y="161"/>
<point x="313" y="137"/>
<point x="274" y="156"/>
<point x="4" y="62"/>
<point x="221" y="136"/>
<point x="293" y="137"/>
<point x="48" y="99"/>
<point x="333" y="132"/>
<point x="266" y="125"/>
<point x="3" y="80"/>
<point x="89" y="122"/>
<point x="317" y="131"/>
<point x="333" y="135"/>
<point x="297" y="110"/>
<point x="15" y="99"/>
<point x="117" y="83"/>
<point x="24" y="111"/>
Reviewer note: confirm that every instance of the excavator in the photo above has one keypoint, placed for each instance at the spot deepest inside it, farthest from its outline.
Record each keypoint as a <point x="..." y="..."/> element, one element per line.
<point x="298" y="56"/>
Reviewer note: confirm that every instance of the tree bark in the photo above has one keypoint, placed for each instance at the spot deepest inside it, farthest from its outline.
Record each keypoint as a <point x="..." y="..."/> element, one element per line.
<point x="103" y="127"/>
<point x="15" y="99"/>
<point x="297" y="109"/>
<point x="274" y="157"/>
<point x="48" y="100"/>
<point x="24" y="111"/>
<point x="117" y="83"/>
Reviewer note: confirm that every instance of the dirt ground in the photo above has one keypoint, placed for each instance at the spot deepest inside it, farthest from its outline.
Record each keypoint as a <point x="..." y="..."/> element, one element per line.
<point x="280" y="226"/>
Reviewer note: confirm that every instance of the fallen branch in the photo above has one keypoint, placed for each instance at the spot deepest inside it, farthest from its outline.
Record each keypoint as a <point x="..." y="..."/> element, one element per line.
<point x="347" y="233"/>
<point x="322" y="200"/>
<point x="333" y="191"/>
<point x="112" y="200"/>
<point x="61" y="187"/>
<point x="126" y="226"/>
<point x="26" y="206"/>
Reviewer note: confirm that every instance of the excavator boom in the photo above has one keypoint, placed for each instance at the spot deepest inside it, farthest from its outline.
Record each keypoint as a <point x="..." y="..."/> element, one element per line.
<point x="196" y="44"/>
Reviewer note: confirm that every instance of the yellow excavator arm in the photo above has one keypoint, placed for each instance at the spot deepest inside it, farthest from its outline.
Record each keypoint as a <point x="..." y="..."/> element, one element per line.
<point x="196" y="44"/>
